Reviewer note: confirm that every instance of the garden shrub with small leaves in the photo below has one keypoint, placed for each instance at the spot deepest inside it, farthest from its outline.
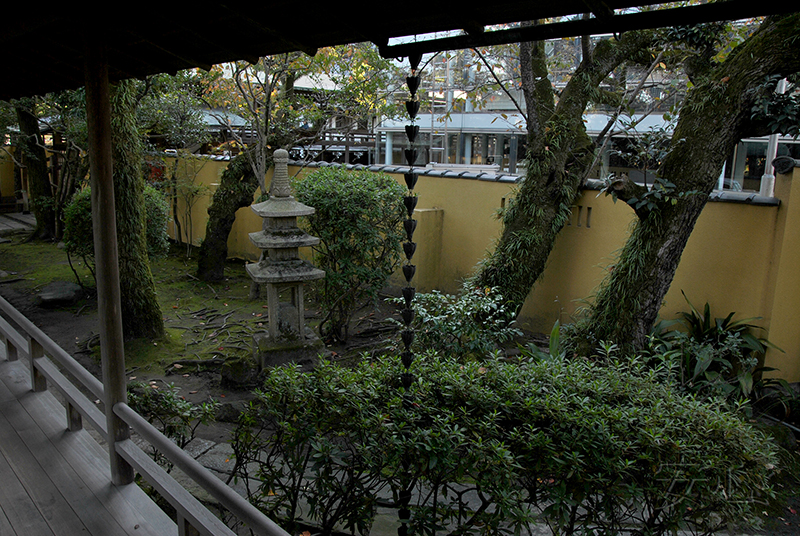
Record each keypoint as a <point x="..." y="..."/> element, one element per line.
<point x="472" y="324"/>
<point x="176" y="417"/>
<point x="357" y="218"/>
<point x="493" y="447"/>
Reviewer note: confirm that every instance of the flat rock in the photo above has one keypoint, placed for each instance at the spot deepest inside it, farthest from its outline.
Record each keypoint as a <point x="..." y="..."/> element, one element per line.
<point x="59" y="293"/>
<point x="198" y="446"/>
<point x="220" y="458"/>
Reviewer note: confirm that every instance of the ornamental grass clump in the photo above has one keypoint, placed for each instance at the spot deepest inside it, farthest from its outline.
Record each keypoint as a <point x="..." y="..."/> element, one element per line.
<point x="498" y="446"/>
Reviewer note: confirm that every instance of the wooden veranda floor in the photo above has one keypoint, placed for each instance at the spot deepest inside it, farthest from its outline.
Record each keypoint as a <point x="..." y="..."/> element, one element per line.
<point x="57" y="482"/>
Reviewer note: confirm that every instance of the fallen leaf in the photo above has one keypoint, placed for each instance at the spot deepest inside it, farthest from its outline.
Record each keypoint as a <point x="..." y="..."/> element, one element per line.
<point x="178" y="366"/>
<point x="185" y="375"/>
<point x="192" y="392"/>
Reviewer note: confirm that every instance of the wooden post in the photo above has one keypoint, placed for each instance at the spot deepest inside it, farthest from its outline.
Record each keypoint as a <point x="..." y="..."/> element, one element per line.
<point x="11" y="350"/>
<point x="35" y="351"/>
<point x="112" y="355"/>
<point x="74" y="418"/>
<point x="185" y="528"/>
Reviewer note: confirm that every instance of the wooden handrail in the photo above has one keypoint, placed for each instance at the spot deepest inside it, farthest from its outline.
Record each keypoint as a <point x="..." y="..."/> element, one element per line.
<point x="235" y="503"/>
<point x="187" y="506"/>
<point x="52" y="349"/>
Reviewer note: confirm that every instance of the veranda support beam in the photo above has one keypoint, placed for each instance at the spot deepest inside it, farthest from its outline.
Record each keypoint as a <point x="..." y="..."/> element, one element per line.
<point x="112" y="354"/>
<point x="727" y="10"/>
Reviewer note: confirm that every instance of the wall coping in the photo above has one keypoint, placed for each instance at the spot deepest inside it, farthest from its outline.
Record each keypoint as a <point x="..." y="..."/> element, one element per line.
<point x="746" y="198"/>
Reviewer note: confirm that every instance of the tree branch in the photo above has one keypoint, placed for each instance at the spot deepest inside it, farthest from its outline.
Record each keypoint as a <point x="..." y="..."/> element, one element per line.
<point x="624" y="189"/>
<point x="499" y="82"/>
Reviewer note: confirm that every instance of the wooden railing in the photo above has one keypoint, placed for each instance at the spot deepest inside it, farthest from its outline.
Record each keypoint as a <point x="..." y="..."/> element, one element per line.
<point x="193" y="517"/>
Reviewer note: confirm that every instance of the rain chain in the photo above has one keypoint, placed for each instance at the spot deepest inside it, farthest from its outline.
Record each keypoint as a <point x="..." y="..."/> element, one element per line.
<point x="410" y="224"/>
<point x="409" y="247"/>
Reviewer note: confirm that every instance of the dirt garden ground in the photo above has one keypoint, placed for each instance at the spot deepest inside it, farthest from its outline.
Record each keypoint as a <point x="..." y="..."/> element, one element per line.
<point x="206" y="323"/>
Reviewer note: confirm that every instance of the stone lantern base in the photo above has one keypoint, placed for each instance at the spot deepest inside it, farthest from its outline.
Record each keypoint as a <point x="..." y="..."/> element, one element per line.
<point x="303" y="351"/>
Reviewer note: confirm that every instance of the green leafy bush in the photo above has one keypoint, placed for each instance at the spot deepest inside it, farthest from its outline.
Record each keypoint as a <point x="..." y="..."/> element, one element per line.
<point x="156" y="216"/>
<point x="176" y="418"/>
<point x="474" y="323"/>
<point x="357" y="219"/>
<point x="712" y="356"/>
<point x="494" y="447"/>
<point x="78" y="233"/>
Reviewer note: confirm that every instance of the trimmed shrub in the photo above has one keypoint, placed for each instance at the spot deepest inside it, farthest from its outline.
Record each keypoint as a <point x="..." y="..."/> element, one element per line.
<point x="156" y="216"/>
<point x="494" y="447"/>
<point x="357" y="219"/>
<point x="78" y="233"/>
<point x="472" y="324"/>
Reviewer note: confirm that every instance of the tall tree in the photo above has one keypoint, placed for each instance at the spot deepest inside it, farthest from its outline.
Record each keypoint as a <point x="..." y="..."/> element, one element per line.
<point x="141" y="314"/>
<point x="236" y="189"/>
<point x="560" y="156"/>
<point x="30" y="144"/>
<point x="717" y="114"/>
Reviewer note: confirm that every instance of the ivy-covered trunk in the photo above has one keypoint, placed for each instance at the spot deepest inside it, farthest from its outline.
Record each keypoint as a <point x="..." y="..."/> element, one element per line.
<point x="141" y="314"/>
<point x="31" y="148"/>
<point x="539" y="210"/>
<point x="717" y="114"/>
<point x="236" y="189"/>
<point x="560" y="156"/>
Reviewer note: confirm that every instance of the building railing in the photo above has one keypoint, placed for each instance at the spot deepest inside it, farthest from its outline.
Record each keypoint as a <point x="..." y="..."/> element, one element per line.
<point x="193" y="517"/>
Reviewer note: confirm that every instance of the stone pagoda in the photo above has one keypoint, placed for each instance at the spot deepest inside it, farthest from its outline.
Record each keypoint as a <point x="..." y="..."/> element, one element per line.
<point x="283" y="272"/>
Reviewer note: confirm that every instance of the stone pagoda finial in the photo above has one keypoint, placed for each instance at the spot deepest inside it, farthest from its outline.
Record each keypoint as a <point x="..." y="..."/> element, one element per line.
<point x="280" y="177"/>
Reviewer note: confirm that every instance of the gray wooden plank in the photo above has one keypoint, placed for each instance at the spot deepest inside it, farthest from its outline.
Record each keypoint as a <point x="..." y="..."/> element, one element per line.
<point x="5" y="393"/>
<point x="16" y="376"/>
<point x="5" y="525"/>
<point x="72" y="394"/>
<point x="18" y="509"/>
<point x="45" y="496"/>
<point x="130" y="506"/>
<point x="15" y="337"/>
<point x="87" y="507"/>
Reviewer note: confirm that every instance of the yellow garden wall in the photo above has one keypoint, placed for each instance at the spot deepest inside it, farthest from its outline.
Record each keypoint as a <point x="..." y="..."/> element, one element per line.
<point x="740" y="257"/>
<point x="6" y="175"/>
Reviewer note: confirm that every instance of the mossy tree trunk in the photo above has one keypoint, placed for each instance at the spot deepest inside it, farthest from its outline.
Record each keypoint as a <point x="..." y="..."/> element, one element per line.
<point x="141" y="314"/>
<point x="560" y="155"/>
<point x="236" y="190"/>
<point x="717" y="114"/>
<point x="31" y="148"/>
